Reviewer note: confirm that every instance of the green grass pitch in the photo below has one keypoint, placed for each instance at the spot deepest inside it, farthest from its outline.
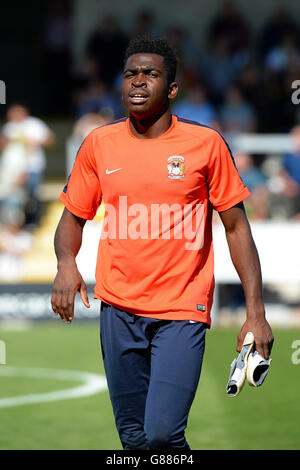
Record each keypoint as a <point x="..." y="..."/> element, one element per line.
<point x="264" y="418"/>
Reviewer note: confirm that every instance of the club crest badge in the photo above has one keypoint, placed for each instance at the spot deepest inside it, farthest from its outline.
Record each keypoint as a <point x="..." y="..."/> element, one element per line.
<point x="176" y="167"/>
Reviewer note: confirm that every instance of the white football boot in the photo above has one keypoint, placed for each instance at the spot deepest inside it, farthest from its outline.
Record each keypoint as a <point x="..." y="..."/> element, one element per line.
<point x="238" y="369"/>
<point x="257" y="369"/>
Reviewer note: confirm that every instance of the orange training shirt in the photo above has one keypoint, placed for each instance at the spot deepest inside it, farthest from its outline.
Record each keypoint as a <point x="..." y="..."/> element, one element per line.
<point x="155" y="255"/>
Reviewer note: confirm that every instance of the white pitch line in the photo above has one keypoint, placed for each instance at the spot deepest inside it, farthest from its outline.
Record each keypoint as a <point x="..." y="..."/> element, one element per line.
<point x="92" y="384"/>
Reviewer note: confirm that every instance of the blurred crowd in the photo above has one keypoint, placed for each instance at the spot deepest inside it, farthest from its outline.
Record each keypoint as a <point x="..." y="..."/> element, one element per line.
<point x="236" y="77"/>
<point x="236" y="80"/>
<point x="22" y="167"/>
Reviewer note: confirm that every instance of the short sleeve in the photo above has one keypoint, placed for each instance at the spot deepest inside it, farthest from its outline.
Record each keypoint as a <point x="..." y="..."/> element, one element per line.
<point x="225" y="186"/>
<point x="82" y="193"/>
<point x="36" y="129"/>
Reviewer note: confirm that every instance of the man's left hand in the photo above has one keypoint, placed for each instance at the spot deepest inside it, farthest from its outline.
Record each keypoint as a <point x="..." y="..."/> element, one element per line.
<point x="263" y="336"/>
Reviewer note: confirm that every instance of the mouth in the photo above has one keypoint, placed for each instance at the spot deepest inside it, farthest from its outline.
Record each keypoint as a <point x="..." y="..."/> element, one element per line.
<point x="138" y="98"/>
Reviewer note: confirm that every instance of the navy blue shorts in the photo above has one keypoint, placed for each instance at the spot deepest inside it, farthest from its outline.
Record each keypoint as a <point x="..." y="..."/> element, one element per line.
<point x="152" y="369"/>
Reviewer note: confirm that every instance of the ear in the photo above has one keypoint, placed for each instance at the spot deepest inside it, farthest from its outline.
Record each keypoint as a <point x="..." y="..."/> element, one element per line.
<point x="173" y="90"/>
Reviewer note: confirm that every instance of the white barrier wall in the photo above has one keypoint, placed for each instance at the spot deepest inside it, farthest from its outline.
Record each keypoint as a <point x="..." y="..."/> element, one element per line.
<point x="278" y="247"/>
<point x="277" y="244"/>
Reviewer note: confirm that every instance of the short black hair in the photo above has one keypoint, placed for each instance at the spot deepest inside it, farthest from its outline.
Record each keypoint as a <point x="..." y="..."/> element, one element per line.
<point x="159" y="46"/>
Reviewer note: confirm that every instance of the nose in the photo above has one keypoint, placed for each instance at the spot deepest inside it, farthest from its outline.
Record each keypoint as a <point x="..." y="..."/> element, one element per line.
<point x="139" y="80"/>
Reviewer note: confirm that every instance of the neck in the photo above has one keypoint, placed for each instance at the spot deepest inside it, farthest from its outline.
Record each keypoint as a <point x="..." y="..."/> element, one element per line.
<point x="150" y="128"/>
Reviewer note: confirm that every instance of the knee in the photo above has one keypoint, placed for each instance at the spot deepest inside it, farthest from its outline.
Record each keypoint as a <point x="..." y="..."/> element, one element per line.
<point x="165" y="437"/>
<point x="159" y="440"/>
<point x="133" y="439"/>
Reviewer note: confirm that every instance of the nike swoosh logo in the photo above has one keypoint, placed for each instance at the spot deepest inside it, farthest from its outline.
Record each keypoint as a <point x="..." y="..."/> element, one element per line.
<point x="108" y="172"/>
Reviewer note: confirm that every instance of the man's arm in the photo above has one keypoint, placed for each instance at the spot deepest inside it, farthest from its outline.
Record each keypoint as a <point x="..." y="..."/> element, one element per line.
<point x="68" y="281"/>
<point x="245" y="259"/>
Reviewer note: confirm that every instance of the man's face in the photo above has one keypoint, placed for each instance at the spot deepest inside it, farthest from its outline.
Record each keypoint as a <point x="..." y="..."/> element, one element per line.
<point x="146" y="91"/>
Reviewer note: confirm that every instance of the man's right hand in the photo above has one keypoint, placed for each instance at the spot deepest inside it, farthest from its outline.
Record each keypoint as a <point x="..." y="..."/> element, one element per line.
<point x="67" y="283"/>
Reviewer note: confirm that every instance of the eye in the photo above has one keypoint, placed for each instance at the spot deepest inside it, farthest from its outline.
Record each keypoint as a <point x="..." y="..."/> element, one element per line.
<point x="152" y="73"/>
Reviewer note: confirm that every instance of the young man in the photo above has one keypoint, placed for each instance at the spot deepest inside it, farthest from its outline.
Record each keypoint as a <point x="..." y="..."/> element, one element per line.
<point x="160" y="177"/>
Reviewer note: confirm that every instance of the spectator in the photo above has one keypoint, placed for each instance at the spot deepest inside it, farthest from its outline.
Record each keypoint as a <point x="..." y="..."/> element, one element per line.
<point x="13" y="177"/>
<point x="105" y="48"/>
<point x="218" y="69"/>
<point x="252" y="176"/>
<point x="98" y="99"/>
<point x="233" y="28"/>
<point x="82" y="127"/>
<point x="258" y="203"/>
<point x="236" y="115"/>
<point x="252" y="88"/>
<point x="197" y="107"/>
<point x="28" y="135"/>
<point x="178" y="36"/>
<point x="145" y="24"/>
<point x="291" y="172"/>
<point x="14" y="243"/>
<point x="230" y="24"/>
<point x="88" y="122"/>
<point x="273" y="119"/>
<point x="285" y="55"/>
<point x="280" y="24"/>
<point x="57" y="58"/>
<point x="280" y="203"/>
